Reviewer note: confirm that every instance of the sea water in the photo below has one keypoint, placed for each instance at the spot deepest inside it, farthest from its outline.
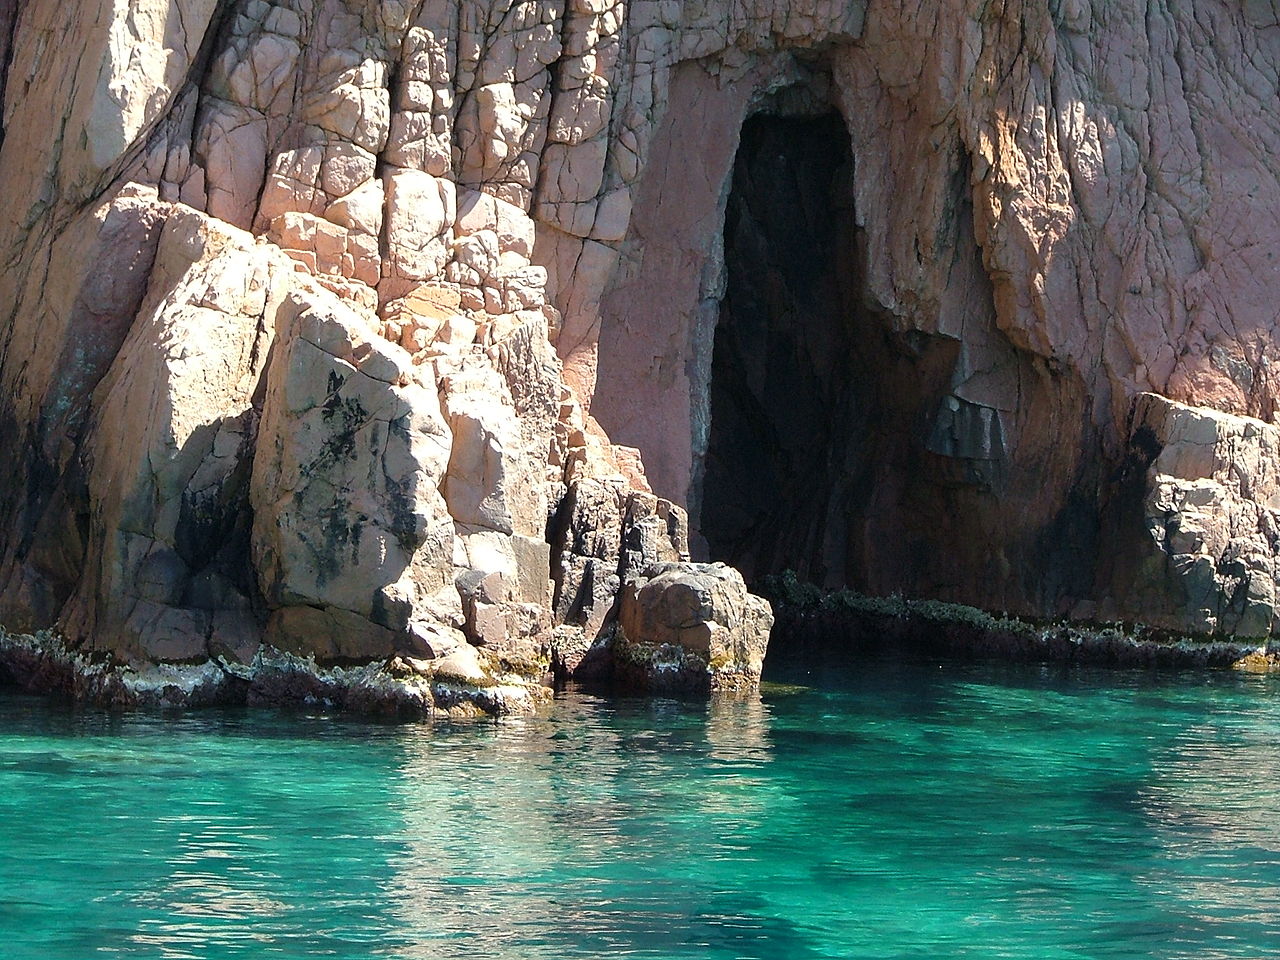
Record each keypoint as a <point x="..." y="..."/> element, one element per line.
<point x="883" y="810"/>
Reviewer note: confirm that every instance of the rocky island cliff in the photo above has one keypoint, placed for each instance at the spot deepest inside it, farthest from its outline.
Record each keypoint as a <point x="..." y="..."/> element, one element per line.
<point x="405" y="352"/>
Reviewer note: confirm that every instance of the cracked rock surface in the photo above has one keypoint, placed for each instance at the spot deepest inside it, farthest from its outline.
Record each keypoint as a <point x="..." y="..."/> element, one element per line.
<point x="379" y="329"/>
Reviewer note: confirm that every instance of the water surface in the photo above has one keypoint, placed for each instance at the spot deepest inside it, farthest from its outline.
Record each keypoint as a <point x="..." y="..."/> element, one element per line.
<point x="888" y="810"/>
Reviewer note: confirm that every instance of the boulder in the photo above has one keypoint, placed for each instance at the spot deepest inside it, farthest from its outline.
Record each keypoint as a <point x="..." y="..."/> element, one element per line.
<point x="690" y="628"/>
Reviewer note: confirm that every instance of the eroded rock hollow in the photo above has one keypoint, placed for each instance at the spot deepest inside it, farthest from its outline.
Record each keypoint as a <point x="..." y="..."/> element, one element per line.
<point x="778" y="471"/>
<point x="852" y="452"/>
<point x="383" y="347"/>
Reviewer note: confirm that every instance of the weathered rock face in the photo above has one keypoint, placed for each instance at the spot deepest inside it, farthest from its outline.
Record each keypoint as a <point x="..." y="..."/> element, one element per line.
<point x="1210" y="507"/>
<point x="164" y="572"/>
<point x="323" y="319"/>
<point x="690" y="627"/>
<point x="352" y="540"/>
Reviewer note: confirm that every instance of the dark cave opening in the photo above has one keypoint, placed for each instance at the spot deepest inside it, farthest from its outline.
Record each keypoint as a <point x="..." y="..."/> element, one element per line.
<point x="840" y="447"/>
<point x="910" y="450"/>
<point x="782" y="458"/>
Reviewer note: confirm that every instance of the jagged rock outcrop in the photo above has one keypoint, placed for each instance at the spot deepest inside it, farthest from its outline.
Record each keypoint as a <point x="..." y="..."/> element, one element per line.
<point x="352" y="539"/>
<point x="325" y="321"/>
<point x="1211" y="511"/>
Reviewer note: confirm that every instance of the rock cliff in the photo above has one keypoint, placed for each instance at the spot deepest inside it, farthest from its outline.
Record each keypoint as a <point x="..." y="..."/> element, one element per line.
<point x="371" y="331"/>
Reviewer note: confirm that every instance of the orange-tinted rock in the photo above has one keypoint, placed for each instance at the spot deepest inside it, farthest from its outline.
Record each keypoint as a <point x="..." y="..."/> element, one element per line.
<point x="512" y="233"/>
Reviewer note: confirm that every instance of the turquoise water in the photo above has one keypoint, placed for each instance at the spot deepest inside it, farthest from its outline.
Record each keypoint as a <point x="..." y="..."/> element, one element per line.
<point x="888" y="811"/>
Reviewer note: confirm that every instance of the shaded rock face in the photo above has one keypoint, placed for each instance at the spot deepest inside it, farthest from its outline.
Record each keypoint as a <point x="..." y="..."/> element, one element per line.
<point x="365" y="328"/>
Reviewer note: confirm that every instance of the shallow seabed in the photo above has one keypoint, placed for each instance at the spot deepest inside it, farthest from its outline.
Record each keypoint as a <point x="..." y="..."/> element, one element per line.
<point x="887" y="810"/>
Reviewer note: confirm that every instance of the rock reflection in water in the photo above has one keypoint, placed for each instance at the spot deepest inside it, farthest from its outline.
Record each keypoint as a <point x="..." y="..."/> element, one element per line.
<point x="1211" y="803"/>
<point x="540" y="827"/>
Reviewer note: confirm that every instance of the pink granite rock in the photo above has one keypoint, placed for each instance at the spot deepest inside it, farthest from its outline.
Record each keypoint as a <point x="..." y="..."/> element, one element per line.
<point x="691" y="628"/>
<point x="548" y="241"/>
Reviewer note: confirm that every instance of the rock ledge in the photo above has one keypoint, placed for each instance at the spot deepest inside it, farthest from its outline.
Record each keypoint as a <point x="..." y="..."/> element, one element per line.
<point x="455" y="687"/>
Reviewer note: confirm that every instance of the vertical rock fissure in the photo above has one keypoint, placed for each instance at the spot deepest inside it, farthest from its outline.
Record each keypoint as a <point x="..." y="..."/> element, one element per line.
<point x="10" y="10"/>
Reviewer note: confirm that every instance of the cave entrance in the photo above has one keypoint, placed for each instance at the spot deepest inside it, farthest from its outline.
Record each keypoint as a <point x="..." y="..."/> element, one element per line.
<point x="776" y="479"/>
<point x="819" y="455"/>
<point x="830" y="389"/>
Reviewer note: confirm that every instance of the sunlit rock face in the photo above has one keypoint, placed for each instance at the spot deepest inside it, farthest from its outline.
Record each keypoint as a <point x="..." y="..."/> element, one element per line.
<point x="369" y="328"/>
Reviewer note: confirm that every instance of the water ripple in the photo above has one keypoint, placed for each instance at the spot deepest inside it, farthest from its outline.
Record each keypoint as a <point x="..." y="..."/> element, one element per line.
<point x="895" y="810"/>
